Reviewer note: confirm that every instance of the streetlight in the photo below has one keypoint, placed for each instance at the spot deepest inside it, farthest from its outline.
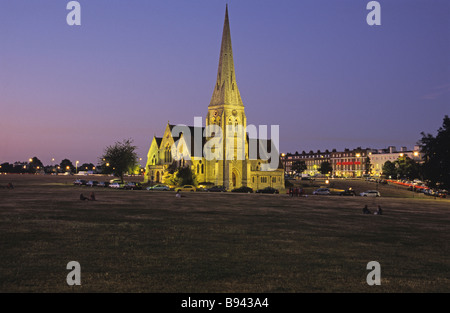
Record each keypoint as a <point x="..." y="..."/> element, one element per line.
<point x="76" y="164"/>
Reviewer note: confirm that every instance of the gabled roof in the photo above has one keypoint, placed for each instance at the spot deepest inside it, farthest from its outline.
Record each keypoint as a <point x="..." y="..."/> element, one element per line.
<point x="198" y="141"/>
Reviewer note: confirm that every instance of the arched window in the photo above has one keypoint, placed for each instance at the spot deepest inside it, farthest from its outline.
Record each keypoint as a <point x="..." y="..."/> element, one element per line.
<point x="168" y="154"/>
<point x="198" y="168"/>
<point x="202" y="168"/>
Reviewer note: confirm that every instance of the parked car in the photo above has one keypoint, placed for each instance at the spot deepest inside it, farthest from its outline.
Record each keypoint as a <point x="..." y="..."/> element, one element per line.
<point x="79" y="182"/>
<point x="322" y="191"/>
<point x="103" y="184"/>
<point x="243" y="189"/>
<point x="370" y="193"/>
<point x="186" y="188"/>
<point x="216" y="189"/>
<point x="132" y="186"/>
<point x="117" y="185"/>
<point x="267" y="190"/>
<point x="92" y="183"/>
<point x="348" y="192"/>
<point x="159" y="187"/>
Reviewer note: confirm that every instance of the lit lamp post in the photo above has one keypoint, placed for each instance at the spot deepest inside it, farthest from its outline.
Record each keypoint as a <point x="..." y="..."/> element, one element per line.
<point x="76" y="165"/>
<point x="284" y="159"/>
<point x="358" y="155"/>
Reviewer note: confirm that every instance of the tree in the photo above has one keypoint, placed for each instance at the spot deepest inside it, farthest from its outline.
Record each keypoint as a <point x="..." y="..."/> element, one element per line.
<point x="407" y="168"/>
<point x="86" y="167"/>
<point x="299" y="167"/>
<point x="66" y="165"/>
<point x="35" y="165"/>
<point x="325" y="168"/>
<point x="436" y="168"/>
<point x="389" y="169"/>
<point x="121" y="158"/>
<point x="182" y="176"/>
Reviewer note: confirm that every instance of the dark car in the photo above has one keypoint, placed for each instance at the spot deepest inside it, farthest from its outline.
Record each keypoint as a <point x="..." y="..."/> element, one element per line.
<point x="216" y="189"/>
<point x="348" y="192"/>
<point x="80" y="182"/>
<point x="243" y="189"/>
<point x="92" y="183"/>
<point x="267" y="190"/>
<point x="103" y="184"/>
<point x="133" y="186"/>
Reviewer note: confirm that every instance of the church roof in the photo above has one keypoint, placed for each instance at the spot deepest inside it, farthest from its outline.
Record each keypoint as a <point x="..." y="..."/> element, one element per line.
<point x="194" y="141"/>
<point x="226" y="90"/>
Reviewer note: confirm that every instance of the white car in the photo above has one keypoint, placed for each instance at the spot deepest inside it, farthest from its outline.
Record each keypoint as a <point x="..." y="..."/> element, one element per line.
<point x="370" y="193"/>
<point x="322" y="191"/>
<point x="116" y="185"/>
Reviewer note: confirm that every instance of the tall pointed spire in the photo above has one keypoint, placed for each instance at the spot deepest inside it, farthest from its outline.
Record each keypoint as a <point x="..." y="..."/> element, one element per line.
<point x="226" y="90"/>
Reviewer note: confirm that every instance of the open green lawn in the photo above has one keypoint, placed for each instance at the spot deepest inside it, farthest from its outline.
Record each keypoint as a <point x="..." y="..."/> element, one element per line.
<point x="142" y="241"/>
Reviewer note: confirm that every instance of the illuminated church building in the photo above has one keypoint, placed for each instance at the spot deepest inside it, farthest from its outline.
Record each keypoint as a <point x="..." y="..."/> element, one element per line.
<point x="242" y="162"/>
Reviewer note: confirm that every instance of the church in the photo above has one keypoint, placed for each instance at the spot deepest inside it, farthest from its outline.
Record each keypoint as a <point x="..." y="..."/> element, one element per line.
<point x="222" y="153"/>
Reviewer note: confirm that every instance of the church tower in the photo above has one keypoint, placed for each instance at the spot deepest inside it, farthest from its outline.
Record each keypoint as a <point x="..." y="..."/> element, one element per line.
<point x="226" y="110"/>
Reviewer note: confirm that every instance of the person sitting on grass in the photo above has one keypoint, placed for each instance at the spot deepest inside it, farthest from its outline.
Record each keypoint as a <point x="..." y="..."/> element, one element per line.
<point x="366" y="210"/>
<point x="82" y="197"/>
<point x="92" y="196"/>
<point x="378" y="211"/>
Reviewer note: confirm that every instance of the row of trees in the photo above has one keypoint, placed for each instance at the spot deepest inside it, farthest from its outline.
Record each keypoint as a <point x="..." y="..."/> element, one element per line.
<point x="34" y="165"/>
<point x="435" y="166"/>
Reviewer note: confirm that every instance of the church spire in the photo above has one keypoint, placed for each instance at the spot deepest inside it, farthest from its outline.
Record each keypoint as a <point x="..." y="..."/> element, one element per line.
<point x="226" y="90"/>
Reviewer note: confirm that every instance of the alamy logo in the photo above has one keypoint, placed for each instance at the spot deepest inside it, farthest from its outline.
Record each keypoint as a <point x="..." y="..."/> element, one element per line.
<point x="227" y="143"/>
<point x="374" y="277"/>
<point x="374" y="16"/>
<point x="74" y="16"/>
<point x="74" y="276"/>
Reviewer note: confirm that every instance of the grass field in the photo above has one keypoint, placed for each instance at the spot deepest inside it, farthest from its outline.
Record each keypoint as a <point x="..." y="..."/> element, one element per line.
<point x="142" y="241"/>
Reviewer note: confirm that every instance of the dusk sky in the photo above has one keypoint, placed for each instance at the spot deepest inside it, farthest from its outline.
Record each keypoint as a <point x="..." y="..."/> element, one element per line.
<point x="314" y="67"/>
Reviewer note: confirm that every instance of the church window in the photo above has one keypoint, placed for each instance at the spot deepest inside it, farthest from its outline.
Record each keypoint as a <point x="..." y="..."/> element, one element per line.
<point x="198" y="168"/>
<point x="202" y="168"/>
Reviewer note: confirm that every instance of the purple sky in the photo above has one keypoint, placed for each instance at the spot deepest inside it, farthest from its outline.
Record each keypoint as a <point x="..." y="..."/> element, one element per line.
<point x="313" y="67"/>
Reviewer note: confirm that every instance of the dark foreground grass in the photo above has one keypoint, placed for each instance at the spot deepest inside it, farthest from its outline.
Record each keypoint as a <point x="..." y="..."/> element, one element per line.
<point x="140" y="241"/>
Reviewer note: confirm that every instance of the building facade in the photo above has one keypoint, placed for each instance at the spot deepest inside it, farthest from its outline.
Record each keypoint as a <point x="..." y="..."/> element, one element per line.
<point x="381" y="156"/>
<point x="221" y="153"/>
<point x="350" y="163"/>
<point x="313" y="161"/>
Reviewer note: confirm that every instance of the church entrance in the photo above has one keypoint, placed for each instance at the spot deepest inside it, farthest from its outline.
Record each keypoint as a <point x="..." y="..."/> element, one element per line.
<point x="234" y="179"/>
<point x="157" y="177"/>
